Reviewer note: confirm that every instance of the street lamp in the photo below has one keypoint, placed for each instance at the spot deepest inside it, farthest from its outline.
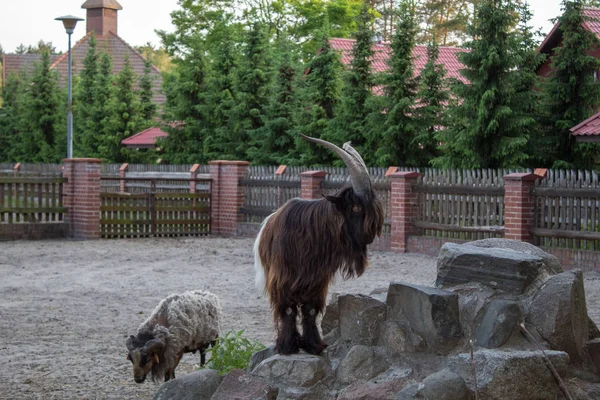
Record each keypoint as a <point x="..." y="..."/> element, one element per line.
<point x="69" y="22"/>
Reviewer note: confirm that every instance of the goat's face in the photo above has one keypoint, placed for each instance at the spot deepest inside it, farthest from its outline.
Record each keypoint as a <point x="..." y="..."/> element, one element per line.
<point x="363" y="215"/>
<point x="143" y="357"/>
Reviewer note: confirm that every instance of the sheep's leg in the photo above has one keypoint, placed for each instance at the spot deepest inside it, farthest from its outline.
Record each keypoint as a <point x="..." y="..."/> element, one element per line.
<point x="203" y="349"/>
<point x="311" y="339"/>
<point x="287" y="336"/>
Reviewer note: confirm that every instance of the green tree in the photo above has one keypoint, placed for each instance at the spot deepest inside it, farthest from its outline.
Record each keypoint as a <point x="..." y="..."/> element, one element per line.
<point x="487" y="127"/>
<point x="572" y="92"/>
<point x="124" y="116"/>
<point x="101" y="116"/>
<point x="356" y="101"/>
<point x="85" y="104"/>
<point x="11" y="116"/>
<point x="318" y="97"/>
<point x="158" y="57"/>
<point x="433" y="100"/>
<point x="147" y="107"/>
<point x="397" y="142"/>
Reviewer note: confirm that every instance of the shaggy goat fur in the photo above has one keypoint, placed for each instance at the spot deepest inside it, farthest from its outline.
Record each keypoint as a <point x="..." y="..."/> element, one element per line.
<point x="299" y="250"/>
<point x="186" y="322"/>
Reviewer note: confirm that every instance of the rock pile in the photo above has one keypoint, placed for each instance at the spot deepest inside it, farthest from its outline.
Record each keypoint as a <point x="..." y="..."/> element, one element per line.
<point x="444" y="342"/>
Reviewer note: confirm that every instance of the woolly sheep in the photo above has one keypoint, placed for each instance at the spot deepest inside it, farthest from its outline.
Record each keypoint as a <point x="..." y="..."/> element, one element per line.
<point x="181" y="323"/>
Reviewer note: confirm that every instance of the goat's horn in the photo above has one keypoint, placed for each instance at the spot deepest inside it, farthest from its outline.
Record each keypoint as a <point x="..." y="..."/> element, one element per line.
<point x="359" y="174"/>
<point x="155" y="346"/>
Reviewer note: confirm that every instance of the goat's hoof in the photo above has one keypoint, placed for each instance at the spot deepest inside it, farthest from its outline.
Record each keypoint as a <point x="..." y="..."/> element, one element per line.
<point x="314" y="349"/>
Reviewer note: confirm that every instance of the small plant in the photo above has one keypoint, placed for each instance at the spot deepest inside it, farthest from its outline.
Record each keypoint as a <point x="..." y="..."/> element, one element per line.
<point x="232" y="351"/>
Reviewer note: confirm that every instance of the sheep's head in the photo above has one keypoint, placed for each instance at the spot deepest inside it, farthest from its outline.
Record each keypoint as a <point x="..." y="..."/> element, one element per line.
<point x="362" y="212"/>
<point x="144" y="353"/>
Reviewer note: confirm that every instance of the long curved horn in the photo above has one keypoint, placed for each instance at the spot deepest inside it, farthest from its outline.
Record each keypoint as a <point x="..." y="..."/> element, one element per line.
<point x="155" y="346"/>
<point x="359" y="174"/>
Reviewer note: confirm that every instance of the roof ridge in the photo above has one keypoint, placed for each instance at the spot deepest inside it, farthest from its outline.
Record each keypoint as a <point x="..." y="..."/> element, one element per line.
<point x="582" y="123"/>
<point x="134" y="50"/>
<point x="66" y="54"/>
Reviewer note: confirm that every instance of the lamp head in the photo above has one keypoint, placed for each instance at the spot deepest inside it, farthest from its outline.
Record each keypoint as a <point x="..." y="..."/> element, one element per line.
<point x="69" y="22"/>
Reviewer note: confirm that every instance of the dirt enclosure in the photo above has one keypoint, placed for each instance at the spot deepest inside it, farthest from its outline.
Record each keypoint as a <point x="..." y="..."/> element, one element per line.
<point x="66" y="307"/>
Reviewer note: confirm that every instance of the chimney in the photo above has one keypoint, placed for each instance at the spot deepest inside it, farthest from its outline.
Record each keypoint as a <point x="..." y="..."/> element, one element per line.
<point x="101" y="16"/>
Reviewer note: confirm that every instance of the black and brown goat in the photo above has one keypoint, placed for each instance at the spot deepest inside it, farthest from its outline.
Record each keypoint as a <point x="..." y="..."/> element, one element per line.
<point x="302" y="246"/>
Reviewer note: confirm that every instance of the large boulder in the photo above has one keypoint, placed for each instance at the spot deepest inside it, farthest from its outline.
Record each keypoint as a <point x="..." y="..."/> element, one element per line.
<point x="198" y="385"/>
<point x="559" y="313"/>
<point x="551" y="262"/>
<point x="396" y="338"/>
<point x="504" y="270"/>
<point x="472" y="298"/>
<point x="500" y="320"/>
<point x="239" y="385"/>
<point x="431" y="313"/>
<point x="373" y="390"/>
<point x="442" y="385"/>
<point x="260" y="356"/>
<point x="360" y="318"/>
<point x="361" y="363"/>
<point x="511" y="374"/>
<point x="298" y="370"/>
<point x="331" y="317"/>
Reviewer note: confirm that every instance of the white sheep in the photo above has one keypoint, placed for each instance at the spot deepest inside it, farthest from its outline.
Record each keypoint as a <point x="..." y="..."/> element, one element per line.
<point x="181" y="323"/>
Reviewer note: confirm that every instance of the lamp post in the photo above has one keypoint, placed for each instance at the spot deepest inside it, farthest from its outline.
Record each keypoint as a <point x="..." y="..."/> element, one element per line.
<point x="69" y="22"/>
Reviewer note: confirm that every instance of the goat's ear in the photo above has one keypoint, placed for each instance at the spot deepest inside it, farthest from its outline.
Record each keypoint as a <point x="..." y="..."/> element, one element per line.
<point x="333" y="199"/>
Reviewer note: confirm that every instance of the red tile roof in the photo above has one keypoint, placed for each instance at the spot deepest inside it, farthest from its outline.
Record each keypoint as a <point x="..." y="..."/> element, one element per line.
<point x="589" y="127"/>
<point x="554" y="38"/>
<point x="146" y="138"/>
<point x="112" y="44"/>
<point x="448" y="56"/>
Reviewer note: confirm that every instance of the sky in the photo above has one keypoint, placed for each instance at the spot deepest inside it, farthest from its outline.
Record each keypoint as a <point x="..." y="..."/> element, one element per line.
<point x="28" y="21"/>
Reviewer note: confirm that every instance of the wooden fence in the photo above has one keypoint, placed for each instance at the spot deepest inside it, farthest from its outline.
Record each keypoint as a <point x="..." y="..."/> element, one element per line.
<point x="31" y="199"/>
<point x="567" y="210"/>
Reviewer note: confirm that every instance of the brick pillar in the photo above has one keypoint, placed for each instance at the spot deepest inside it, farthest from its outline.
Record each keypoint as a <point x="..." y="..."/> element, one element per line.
<point x="311" y="184"/>
<point x="193" y="175"/>
<point x="123" y="174"/>
<point x="519" y="206"/>
<point x="227" y="195"/>
<point x="404" y="209"/>
<point x="17" y="168"/>
<point x="81" y="196"/>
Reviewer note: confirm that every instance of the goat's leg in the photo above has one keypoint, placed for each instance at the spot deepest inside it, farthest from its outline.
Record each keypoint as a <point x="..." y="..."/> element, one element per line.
<point x="287" y="334"/>
<point x="311" y="339"/>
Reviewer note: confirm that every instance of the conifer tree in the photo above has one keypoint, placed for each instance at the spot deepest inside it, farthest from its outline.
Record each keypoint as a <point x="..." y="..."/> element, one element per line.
<point x="101" y="113"/>
<point x="433" y="100"/>
<point x="85" y="103"/>
<point x="275" y="139"/>
<point x="186" y="99"/>
<point x="487" y="127"/>
<point x="356" y="100"/>
<point x="11" y="113"/>
<point x="147" y="106"/>
<point x="318" y="98"/>
<point x="124" y="120"/>
<point x="397" y="143"/>
<point x="572" y="91"/>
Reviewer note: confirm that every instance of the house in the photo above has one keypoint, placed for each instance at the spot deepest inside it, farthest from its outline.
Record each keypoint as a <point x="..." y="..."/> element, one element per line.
<point x="102" y="20"/>
<point x="588" y="130"/>
<point x="145" y="139"/>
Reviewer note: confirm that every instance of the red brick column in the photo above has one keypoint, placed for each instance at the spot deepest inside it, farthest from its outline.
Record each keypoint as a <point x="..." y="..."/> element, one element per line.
<point x="227" y="195"/>
<point x="193" y="175"/>
<point x="404" y="209"/>
<point x="81" y="196"/>
<point x="311" y="184"/>
<point x="519" y="206"/>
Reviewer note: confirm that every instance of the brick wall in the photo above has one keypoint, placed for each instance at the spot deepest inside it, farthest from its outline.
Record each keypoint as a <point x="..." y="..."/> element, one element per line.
<point x="34" y="231"/>
<point x="227" y="195"/>
<point x="311" y="184"/>
<point x="81" y="196"/>
<point x="518" y="206"/>
<point x="404" y="209"/>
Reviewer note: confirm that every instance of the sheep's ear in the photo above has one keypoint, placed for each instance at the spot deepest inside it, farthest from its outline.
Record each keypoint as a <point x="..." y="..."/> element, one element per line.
<point x="156" y="358"/>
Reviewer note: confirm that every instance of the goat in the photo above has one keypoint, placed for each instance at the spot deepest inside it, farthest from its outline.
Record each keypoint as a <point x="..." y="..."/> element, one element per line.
<point x="181" y="323"/>
<point x="302" y="245"/>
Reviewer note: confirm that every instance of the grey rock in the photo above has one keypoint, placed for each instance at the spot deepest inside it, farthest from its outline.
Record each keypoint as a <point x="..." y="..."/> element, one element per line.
<point x="317" y="392"/>
<point x="445" y="385"/>
<point x="431" y="313"/>
<point x="198" y="385"/>
<point x="379" y="293"/>
<point x="332" y="336"/>
<point x="361" y="363"/>
<point x="593" y="347"/>
<point x="331" y="318"/>
<point x="551" y="262"/>
<point x="505" y="270"/>
<point x="472" y="298"/>
<point x="260" y="356"/>
<point x="239" y="385"/>
<point x="594" y="332"/>
<point x="298" y="370"/>
<point x="373" y="390"/>
<point x="410" y="392"/>
<point x="500" y="320"/>
<point x="397" y="339"/>
<point x="360" y="318"/>
<point x="515" y="375"/>
<point x="559" y="313"/>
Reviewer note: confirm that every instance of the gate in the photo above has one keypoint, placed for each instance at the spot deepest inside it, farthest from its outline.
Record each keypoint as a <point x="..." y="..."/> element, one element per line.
<point x="154" y="213"/>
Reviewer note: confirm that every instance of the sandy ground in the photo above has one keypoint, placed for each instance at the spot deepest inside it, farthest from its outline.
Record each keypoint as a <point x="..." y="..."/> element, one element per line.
<point x="66" y="307"/>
